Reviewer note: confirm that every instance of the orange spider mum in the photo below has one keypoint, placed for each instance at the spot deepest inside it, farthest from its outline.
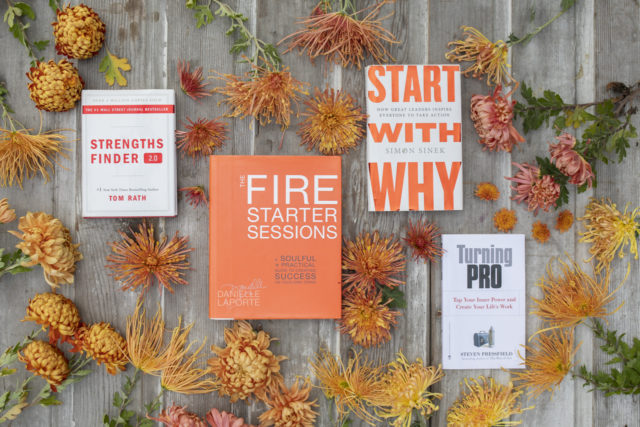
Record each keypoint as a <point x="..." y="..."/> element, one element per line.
<point x="290" y="407"/>
<point x="485" y="404"/>
<point x="334" y="122"/>
<point x="406" y="388"/>
<point x="366" y="319"/>
<point x="342" y="38"/>
<point x="370" y="259"/>
<point x="540" y="232"/>
<point x="564" y="221"/>
<point x="195" y="195"/>
<point x="547" y="363"/>
<point x="487" y="191"/>
<point x="609" y="231"/>
<point x="422" y="238"/>
<point x="192" y="82"/>
<point x="572" y="296"/>
<point x="505" y="219"/>
<point x="265" y="94"/>
<point x="353" y="388"/>
<point x="136" y="261"/>
<point x="201" y="138"/>
<point x="486" y="57"/>
<point x="145" y="340"/>
<point x="246" y="365"/>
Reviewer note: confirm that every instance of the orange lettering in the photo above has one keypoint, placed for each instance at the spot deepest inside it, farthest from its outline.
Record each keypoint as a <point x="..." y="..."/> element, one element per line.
<point x="412" y="85"/>
<point x="408" y="132"/>
<point x="383" y="188"/>
<point x="451" y="71"/>
<point x="426" y="187"/>
<point x="426" y="129"/>
<point x="448" y="181"/>
<point x="385" y="132"/>
<point x="431" y="77"/>
<point x="395" y="80"/>
<point x="371" y="74"/>
<point x="445" y="133"/>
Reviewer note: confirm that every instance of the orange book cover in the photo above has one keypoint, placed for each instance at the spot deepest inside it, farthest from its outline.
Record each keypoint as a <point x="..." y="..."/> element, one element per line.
<point x="275" y="237"/>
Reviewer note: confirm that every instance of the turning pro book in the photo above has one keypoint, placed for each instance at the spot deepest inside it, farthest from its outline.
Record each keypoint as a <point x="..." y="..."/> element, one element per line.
<point x="275" y="237"/>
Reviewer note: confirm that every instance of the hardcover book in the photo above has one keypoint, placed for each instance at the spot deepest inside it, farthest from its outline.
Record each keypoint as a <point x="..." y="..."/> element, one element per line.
<point x="414" y="137"/>
<point x="275" y="237"/>
<point x="128" y="153"/>
<point x="483" y="301"/>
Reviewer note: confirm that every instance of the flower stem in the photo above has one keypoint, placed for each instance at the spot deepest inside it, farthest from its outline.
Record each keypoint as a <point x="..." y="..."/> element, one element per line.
<point x="13" y="263"/>
<point x="532" y="34"/>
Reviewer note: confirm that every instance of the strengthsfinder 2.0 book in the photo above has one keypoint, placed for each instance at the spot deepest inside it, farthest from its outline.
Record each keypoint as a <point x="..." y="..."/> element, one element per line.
<point x="275" y="237"/>
<point x="483" y="301"/>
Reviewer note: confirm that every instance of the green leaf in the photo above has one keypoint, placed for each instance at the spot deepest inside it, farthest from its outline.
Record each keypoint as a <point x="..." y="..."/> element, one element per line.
<point x="395" y="296"/>
<point x="41" y="44"/>
<point x="50" y="401"/>
<point x="567" y="4"/>
<point x="117" y="399"/>
<point x="25" y="10"/>
<point x="111" y="66"/>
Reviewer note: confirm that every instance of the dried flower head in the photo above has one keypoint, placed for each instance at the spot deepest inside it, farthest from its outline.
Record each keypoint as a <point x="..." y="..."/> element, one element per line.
<point x="195" y="195"/>
<point x="487" y="191"/>
<point x="46" y="361"/>
<point x="485" y="404"/>
<point x="216" y="418"/>
<point x="55" y="87"/>
<point x="246" y="365"/>
<point x="570" y="162"/>
<point x="178" y="416"/>
<point x="47" y="242"/>
<point x="6" y="213"/>
<point x="79" y="32"/>
<point x="540" y="232"/>
<point x="536" y="190"/>
<point x="192" y="82"/>
<point x="564" y="221"/>
<point x="56" y="312"/>
<point x="353" y="388"/>
<point x="105" y="345"/>
<point x="505" y="219"/>
<point x="422" y="237"/>
<point x="609" y="231"/>
<point x="201" y="138"/>
<point x="406" y="388"/>
<point x="486" y="57"/>
<point x="492" y="117"/>
<point x="290" y="407"/>
<point x="137" y="260"/>
<point x="547" y="362"/>
<point x="572" y="296"/>
<point x="342" y="38"/>
<point x="370" y="259"/>
<point x="145" y="340"/>
<point x="24" y="155"/>
<point x="366" y="319"/>
<point x="334" y="123"/>
<point x="263" y="94"/>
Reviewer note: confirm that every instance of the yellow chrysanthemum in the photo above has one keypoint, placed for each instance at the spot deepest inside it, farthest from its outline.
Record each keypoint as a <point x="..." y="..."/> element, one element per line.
<point x="547" y="363"/>
<point x="609" y="231"/>
<point x="366" y="319"/>
<point x="487" y="191"/>
<point x="46" y="361"/>
<point x="79" y="32"/>
<point x="505" y="219"/>
<point x="354" y="388"/>
<point x="145" y="339"/>
<point x="55" y="87"/>
<point x="540" y="232"/>
<point x="6" y="213"/>
<point x="406" y="388"/>
<point x="56" y="312"/>
<point x="47" y="242"/>
<point x="290" y="407"/>
<point x="564" y="221"/>
<point x="105" y="345"/>
<point x="485" y="404"/>
<point x="246" y="366"/>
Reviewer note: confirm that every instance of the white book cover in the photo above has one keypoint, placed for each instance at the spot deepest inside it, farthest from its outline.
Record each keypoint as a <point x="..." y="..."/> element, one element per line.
<point x="128" y="153"/>
<point x="414" y="137"/>
<point x="483" y="301"/>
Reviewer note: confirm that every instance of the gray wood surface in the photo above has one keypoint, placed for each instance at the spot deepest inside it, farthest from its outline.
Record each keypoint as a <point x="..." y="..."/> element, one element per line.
<point x="596" y="42"/>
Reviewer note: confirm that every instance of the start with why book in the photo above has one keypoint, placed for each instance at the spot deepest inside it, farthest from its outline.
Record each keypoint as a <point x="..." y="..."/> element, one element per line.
<point x="414" y="137"/>
<point x="275" y="237"/>
<point x="483" y="301"/>
<point x="128" y="153"/>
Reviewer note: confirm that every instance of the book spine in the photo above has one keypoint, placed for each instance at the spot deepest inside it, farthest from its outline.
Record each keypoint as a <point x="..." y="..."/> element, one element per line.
<point x="213" y="233"/>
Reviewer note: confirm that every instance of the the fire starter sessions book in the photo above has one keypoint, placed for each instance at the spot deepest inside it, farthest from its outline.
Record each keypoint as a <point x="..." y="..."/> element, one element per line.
<point x="128" y="153"/>
<point x="414" y="137"/>
<point x="275" y="237"/>
<point x="483" y="301"/>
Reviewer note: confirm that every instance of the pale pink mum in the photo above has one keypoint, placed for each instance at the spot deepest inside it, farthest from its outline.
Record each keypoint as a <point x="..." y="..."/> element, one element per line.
<point x="178" y="416"/>
<point x="216" y="418"/>
<point x="493" y="119"/>
<point x="533" y="189"/>
<point x="570" y="162"/>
